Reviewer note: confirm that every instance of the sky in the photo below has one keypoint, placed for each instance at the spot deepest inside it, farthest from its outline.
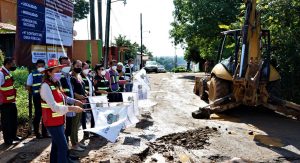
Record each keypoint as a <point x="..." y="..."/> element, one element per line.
<point x="125" y="20"/>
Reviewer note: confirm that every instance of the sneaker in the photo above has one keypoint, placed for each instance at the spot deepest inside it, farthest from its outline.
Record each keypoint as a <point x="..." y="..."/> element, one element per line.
<point x="82" y="145"/>
<point x="77" y="148"/>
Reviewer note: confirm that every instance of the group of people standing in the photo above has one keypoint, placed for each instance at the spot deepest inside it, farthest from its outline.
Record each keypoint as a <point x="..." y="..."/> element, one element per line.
<point x="60" y="92"/>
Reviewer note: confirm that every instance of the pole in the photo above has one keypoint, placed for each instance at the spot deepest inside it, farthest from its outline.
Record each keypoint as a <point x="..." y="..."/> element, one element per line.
<point x="100" y="30"/>
<point x="141" y="17"/>
<point x="107" y="32"/>
<point x="92" y="20"/>
<point x="175" y="59"/>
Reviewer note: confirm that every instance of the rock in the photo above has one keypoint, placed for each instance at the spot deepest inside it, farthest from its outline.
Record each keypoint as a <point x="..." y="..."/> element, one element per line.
<point x="229" y="132"/>
<point x="154" y="159"/>
<point x="215" y="128"/>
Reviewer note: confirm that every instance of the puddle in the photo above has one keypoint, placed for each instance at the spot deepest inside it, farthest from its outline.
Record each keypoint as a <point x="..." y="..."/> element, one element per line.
<point x="132" y="141"/>
<point x="144" y="124"/>
<point x="269" y="141"/>
<point x="148" y="137"/>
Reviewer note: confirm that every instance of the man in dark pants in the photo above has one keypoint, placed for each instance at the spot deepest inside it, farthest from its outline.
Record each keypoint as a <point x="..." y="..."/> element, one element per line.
<point x="34" y="82"/>
<point x="7" y="102"/>
<point x="68" y="90"/>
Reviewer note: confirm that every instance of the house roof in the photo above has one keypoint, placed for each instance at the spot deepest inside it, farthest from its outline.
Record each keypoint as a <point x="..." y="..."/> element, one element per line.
<point x="7" y="28"/>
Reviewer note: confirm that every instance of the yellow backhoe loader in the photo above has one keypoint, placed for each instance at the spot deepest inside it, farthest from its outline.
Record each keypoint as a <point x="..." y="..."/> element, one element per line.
<point x="247" y="77"/>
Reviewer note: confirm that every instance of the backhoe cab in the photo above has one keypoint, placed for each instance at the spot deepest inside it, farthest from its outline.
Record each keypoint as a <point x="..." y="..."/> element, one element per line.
<point x="246" y="77"/>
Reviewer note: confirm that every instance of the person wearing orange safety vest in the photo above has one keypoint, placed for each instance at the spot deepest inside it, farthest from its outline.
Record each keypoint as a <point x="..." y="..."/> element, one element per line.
<point x="8" y="106"/>
<point x="54" y="109"/>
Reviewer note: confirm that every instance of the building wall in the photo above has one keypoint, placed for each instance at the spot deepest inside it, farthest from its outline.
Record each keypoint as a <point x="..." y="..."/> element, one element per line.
<point x="80" y="52"/>
<point x="8" y="11"/>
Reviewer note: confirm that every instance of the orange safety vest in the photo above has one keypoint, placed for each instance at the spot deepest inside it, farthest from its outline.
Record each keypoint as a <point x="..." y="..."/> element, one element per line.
<point x="7" y="90"/>
<point x="51" y="118"/>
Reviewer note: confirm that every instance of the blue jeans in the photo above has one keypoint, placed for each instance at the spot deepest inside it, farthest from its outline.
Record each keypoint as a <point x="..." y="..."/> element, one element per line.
<point x="59" y="148"/>
<point x="128" y="87"/>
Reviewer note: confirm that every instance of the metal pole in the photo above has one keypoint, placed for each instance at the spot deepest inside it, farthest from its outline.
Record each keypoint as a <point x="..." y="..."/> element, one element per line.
<point x="141" y="17"/>
<point x="92" y="20"/>
<point x="100" y="30"/>
<point x="107" y="32"/>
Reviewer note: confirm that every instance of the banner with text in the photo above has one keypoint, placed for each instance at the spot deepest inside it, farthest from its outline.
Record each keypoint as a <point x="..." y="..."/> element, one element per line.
<point x="43" y="23"/>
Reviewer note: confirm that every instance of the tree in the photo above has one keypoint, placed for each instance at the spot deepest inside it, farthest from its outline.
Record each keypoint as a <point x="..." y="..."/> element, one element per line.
<point x="282" y="18"/>
<point x="81" y="9"/>
<point x="197" y="25"/>
<point x="133" y="48"/>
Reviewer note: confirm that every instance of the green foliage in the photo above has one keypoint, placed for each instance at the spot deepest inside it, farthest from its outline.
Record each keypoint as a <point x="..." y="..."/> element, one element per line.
<point x="179" y="69"/>
<point x="132" y="48"/>
<point x="81" y="9"/>
<point x="282" y="18"/>
<point x="20" y="77"/>
<point x="197" y="23"/>
<point x="1" y="57"/>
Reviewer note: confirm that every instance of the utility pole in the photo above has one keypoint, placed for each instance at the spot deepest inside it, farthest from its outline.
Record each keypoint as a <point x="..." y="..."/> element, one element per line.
<point x="175" y="59"/>
<point x="107" y="32"/>
<point x="141" y="17"/>
<point x="92" y="20"/>
<point x="100" y="31"/>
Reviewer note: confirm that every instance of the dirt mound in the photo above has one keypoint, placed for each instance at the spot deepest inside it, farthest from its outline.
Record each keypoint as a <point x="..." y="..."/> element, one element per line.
<point x="192" y="139"/>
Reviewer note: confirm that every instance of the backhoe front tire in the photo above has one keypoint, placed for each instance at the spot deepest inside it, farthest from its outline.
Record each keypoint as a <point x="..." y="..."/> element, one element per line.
<point x="218" y="88"/>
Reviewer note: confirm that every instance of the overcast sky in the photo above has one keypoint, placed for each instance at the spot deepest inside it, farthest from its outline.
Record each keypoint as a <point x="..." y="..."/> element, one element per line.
<point x="125" y="20"/>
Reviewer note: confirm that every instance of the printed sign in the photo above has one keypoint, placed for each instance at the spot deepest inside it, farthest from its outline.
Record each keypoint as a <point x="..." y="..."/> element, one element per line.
<point x="46" y="22"/>
<point x="38" y="52"/>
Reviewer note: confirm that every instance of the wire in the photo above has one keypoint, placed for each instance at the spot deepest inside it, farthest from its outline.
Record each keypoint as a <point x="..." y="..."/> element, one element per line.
<point x="116" y="19"/>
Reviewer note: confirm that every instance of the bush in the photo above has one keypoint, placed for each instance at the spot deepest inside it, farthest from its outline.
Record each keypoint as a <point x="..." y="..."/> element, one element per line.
<point x="179" y="69"/>
<point x="20" y="77"/>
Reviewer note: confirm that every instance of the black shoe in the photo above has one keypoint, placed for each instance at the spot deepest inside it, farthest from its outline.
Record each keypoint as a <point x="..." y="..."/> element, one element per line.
<point x="46" y="136"/>
<point x="73" y="157"/>
<point x="86" y="135"/>
<point x="8" y="143"/>
<point x="17" y="138"/>
<point x="38" y="136"/>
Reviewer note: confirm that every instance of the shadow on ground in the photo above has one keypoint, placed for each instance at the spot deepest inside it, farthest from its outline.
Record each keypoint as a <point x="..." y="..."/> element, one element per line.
<point x="281" y="131"/>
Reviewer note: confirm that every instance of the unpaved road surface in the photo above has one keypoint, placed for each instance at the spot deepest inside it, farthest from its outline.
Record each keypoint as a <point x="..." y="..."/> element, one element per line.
<point x="167" y="133"/>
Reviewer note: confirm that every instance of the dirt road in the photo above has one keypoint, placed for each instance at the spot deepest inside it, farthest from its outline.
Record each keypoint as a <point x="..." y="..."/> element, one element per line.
<point x="168" y="133"/>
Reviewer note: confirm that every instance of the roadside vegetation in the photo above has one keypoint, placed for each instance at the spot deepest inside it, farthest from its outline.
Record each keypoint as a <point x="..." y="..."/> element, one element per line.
<point x="197" y="28"/>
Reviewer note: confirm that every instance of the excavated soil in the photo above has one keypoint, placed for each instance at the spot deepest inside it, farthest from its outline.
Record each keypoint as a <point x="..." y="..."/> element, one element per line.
<point x="191" y="139"/>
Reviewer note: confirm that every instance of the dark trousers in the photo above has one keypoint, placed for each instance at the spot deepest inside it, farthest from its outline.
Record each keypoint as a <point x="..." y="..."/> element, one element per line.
<point x="9" y="122"/>
<point x="83" y="120"/>
<point x="38" y="116"/>
<point x="115" y="97"/>
<point x="59" y="147"/>
<point x="68" y="129"/>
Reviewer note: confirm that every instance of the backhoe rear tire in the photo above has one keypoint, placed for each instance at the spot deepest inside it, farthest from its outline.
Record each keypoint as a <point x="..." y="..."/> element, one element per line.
<point x="218" y="88"/>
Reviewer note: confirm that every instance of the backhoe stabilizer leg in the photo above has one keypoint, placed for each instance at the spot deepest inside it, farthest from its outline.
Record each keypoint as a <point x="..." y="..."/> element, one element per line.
<point x="217" y="106"/>
<point x="284" y="110"/>
<point x="284" y="103"/>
